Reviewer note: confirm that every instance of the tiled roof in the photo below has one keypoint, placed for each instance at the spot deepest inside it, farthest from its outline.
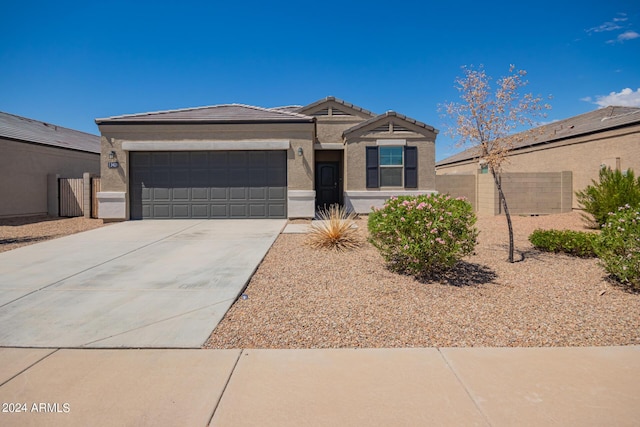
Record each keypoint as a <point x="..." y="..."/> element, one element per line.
<point x="29" y="130"/>
<point x="338" y="101"/>
<point x="225" y="113"/>
<point x="389" y="114"/>
<point x="287" y="108"/>
<point x="593" y="121"/>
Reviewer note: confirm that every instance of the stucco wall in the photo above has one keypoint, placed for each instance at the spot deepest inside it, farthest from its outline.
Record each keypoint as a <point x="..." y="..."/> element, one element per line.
<point x="458" y="186"/>
<point x="583" y="156"/>
<point x="23" y="174"/>
<point x="300" y="169"/>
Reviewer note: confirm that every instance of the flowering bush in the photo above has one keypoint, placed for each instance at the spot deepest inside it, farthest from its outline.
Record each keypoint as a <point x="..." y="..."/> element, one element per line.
<point x="619" y="246"/>
<point x="422" y="235"/>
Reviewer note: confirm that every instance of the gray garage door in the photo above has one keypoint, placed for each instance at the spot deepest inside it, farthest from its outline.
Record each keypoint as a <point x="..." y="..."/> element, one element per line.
<point x="208" y="184"/>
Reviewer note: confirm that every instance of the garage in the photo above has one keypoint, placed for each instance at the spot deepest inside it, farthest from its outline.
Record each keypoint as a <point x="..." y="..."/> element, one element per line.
<point x="208" y="184"/>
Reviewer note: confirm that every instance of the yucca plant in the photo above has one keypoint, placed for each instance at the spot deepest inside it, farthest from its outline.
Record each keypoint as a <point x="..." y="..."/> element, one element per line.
<point x="335" y="229"/>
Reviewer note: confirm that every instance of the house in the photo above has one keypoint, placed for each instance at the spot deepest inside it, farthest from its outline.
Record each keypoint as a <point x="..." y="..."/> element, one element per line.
<point x="31" y="153"/>
<point x="242" y="161"/>
<point x="563" y="156"/>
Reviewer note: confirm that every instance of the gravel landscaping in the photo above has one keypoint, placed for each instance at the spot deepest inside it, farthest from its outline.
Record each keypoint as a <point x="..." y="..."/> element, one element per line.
<point x="23" y="231"/>
<point x="307" y="298"/>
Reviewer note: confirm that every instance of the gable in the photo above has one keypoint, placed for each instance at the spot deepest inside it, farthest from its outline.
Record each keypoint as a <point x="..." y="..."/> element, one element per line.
<point x="335" y="109"/>
<point x="388" y="125"/>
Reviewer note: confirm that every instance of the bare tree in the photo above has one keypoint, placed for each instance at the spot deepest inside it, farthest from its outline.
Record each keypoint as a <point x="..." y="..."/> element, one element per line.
<point x="486" y="120"/>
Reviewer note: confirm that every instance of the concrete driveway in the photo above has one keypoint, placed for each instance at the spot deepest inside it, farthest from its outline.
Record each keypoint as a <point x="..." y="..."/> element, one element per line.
<point x="162" y="284"/>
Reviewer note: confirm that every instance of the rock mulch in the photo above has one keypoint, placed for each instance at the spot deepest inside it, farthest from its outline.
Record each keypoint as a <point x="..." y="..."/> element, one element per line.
<point x="306" y="298"/>
<point x="23" y="231"/>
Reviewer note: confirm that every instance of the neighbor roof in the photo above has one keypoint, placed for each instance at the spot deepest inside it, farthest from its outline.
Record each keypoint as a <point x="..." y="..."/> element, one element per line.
<point x="33" y="131"/>
<point x="594" y="121"/>
<point x="224" y="113"/>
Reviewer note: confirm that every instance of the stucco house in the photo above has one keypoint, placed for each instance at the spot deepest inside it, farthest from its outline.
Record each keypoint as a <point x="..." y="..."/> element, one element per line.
<point x="569" y="151"/>
<point x="31" y="152"/>
<point x="242" y="161"/>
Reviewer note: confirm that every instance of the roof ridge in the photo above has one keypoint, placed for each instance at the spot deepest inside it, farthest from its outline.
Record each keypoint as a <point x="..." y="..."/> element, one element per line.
<point x="179" y="110"/>
<point x="255" y="107"/>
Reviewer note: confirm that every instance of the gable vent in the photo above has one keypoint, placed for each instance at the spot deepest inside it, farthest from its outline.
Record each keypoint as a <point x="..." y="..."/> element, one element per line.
<point x="383" y="128"/>
<point x="324" y="112"/>
<point x="336" y="112"/>
<point x="398" y="128"/>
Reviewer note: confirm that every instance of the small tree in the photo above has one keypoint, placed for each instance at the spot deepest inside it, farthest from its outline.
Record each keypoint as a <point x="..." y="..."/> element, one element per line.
<point x="486" y="119"/>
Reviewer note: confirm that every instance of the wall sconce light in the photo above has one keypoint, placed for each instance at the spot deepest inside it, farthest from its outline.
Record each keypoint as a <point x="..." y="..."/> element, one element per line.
<point x="300" y="151"/>
<point x="112" y="155"/>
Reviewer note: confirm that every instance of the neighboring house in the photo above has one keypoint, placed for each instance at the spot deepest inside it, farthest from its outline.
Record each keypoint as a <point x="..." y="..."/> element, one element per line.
<point x="241" y="161"/>
<point x="581" y="145"/>
<point x="30" y="152"/>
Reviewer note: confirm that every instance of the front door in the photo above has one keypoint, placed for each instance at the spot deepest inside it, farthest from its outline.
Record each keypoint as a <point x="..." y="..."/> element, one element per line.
<point x="327" y="184"/>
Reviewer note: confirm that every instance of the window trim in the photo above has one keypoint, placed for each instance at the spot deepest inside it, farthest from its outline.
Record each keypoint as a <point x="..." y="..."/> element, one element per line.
<point x="381" y="166"/>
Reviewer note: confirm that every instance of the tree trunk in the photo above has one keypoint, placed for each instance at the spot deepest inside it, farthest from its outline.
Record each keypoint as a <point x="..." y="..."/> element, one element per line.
<point x="496" y="179"/>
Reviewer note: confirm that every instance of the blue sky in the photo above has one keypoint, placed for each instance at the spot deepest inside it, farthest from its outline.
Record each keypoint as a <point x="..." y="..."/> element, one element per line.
<point x="68" y="63"/>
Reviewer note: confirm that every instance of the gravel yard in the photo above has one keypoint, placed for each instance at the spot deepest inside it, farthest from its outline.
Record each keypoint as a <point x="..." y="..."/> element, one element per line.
<point x="23" y="231"/>
<point x="306" y="298"/>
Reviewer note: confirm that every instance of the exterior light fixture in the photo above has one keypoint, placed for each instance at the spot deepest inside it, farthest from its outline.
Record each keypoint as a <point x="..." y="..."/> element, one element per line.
<point x="112" y="155"/>
<point x="300" y="151"/>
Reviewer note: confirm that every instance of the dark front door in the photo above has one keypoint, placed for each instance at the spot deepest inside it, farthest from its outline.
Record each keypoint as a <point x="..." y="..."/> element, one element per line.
<point x="327" y="184"/>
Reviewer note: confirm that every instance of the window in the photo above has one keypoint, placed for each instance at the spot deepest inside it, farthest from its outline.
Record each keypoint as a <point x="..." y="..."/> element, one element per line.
<point x="391" y="166"/>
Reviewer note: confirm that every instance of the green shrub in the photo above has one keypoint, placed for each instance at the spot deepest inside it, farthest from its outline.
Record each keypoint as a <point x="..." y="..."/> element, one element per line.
<point x="619" y="246"/>
<point x="615" y="189"/>
<point x="422" y="235"/>
<point x="577" y="243"/>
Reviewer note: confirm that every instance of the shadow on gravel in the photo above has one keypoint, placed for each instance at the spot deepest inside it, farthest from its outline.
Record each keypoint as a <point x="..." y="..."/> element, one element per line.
<point x="463" y="274"/>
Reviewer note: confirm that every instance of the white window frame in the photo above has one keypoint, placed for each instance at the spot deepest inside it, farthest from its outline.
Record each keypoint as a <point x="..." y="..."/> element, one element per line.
<point x="381" y="166"/>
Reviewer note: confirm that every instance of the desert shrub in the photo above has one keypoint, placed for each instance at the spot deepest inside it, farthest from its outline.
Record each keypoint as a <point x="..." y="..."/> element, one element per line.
<point x="577" y="243"/>
<point x="335" y="229"/>
<point x="619" y="246"/>
<point x="615" y="189"/>
<point x="422" y="235"/>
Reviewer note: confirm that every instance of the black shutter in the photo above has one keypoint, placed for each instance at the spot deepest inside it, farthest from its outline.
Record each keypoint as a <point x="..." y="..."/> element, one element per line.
<point x="411" y="167"/>
<point x="372" y="167"/>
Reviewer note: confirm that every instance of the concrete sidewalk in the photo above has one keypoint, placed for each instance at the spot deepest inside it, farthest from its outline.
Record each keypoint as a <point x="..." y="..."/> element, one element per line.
<point x="592" y="386"/>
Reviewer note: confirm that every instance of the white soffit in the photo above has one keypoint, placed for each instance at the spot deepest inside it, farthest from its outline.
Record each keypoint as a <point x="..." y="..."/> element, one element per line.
<point x="391" y="142"/>
<point x="206" y="145"/>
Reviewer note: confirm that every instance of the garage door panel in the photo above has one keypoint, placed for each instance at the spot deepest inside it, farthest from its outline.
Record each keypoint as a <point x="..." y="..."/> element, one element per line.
<point x="208" y="184"/>
<point x="238" y="178"/>
<point x="199" y="178"/>
<point x="161" y="211"/>
<point x="238" y="193"/>
<point x="160" y="159"/>
<point x="219" y="177"/>
<point x="180" y="194"/>
<point x="199" y="194"/>
<point x="238" y="211"/>
<point x="277" y="194"/>
<point x="238" y="159"/>
<point x="258" y="193"/>
<point x="180" y="211"/>
<point x="220" y="211"/>
<point x="277" y="210"/>
<point x="200" y="159"/>
<point x="258" y="211"/>
<point x="161" y="194"/>
<point x="200" y="211"/>
<point x="219" y="194"/>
